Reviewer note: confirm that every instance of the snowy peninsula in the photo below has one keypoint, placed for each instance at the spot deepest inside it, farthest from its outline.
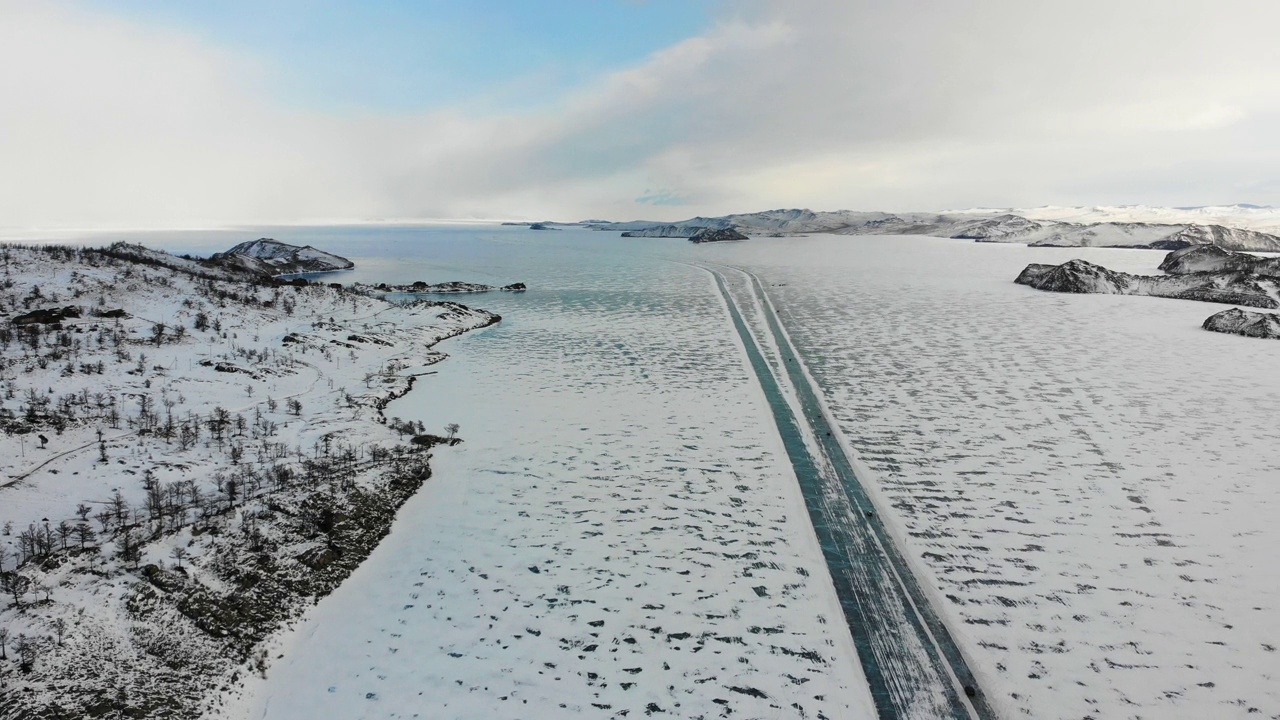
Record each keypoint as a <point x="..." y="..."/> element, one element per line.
<point x="193" y="454"/>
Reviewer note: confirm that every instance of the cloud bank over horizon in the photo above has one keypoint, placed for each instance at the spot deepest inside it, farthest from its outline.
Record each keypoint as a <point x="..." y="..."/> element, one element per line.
<point x="110" y="120"/>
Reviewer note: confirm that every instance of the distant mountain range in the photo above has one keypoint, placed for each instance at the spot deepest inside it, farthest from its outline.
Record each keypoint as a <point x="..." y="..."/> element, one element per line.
<point x="1234" y="227"/>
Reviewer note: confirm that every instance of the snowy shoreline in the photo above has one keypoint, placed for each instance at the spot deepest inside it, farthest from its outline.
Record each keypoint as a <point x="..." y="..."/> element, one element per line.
<point x="202" y="530"/>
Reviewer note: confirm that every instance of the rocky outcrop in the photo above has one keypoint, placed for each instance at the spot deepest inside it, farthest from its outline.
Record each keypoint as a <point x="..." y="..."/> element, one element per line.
<point x="1079" y="276"/>
<point x="1210" y="258"/>
<point x="1244" y="322"/>
<point x="272" y="258"/>
<point x="47" y="316"/>
<point x="1075" y="276"/>
<point x="453" y="287"/>
<point x="709" y="235"/>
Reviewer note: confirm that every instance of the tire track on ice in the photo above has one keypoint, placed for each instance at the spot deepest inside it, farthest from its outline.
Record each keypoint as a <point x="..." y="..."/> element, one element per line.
<point x="913" y="666"/>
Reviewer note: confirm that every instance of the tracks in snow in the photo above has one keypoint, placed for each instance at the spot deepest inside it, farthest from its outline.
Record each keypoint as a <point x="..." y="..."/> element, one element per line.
<point x="912" y="664"/>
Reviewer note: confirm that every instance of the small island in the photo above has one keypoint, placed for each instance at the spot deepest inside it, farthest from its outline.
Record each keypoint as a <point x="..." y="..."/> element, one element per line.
<point x="421" y="287"/>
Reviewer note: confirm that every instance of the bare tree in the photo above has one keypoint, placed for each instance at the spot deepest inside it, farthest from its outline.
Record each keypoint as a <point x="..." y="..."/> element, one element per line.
<point x="179" y="554"/>
<point x="186" y="436"/>
<point x="452" y="429"/>
<point x="60" y="628"/>
<point x="4" y="643"/>
<point x="84" y="534"/>
<point x="104" y="518"/>
<point x="128" y="548"/>
<point x="16" y="585"/>
<point x="26" y="650"/>
<point x="119" y="508"/>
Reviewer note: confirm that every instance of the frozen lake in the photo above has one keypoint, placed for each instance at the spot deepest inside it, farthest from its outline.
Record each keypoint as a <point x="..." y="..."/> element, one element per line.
<point x="1084" y="483"/>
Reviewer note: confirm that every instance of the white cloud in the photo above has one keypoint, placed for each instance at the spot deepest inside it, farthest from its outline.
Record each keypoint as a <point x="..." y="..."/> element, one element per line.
<point x="103" y="122"/>
<point x="923" y="104"/>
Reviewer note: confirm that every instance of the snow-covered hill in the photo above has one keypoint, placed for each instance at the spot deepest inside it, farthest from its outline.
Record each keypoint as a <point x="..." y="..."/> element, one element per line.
<point x="1208" y="258"/>
<point x="190" y="458"/>
<point x="273" y="258"/>
<point x="1251" y="217"/>
<point x="1170" y="231"/>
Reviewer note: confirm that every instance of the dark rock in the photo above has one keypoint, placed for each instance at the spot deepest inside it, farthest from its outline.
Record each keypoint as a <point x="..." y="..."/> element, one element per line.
<point x="1211" y="258"/>
<point x="707" y="235"/>
<point x="514" y="287"/>
<point x="1079" y="276"/>
<point x="226" y="367"/>
<point x="47" y="316"/>
<point x="1166" y="245"/>
<point x="1073" y="276"/>
<point x="166" y="581"/>
<point x="429" y="440"/>
<point x="1244" y="322"/>
<point x="318" y="558"/>
<point x="1032" y="272"/>
<point x="448" y="288"/>
<point x="750" y="691"/>
<point x="116" y="313"/>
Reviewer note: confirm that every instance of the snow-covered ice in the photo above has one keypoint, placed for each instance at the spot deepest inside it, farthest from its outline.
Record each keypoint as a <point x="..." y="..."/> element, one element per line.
<point x="619" y="533"/>
<point x="1090" y="479"/>
<point x="1084" y="482"/>
<point x="1084" y="479"/>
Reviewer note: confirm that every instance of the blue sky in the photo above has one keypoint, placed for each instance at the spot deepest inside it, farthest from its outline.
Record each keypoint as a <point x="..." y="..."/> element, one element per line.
<point x="415" y="55"/>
